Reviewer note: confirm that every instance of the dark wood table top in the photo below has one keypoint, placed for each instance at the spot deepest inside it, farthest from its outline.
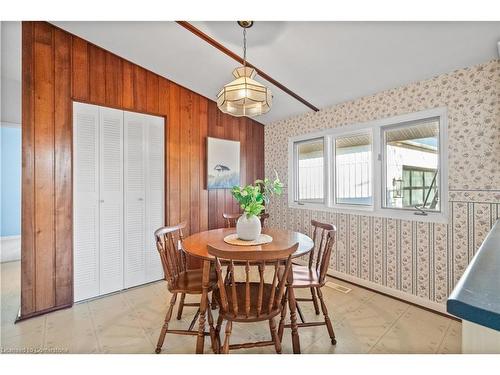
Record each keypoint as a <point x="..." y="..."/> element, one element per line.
<point x="196" y="244"/>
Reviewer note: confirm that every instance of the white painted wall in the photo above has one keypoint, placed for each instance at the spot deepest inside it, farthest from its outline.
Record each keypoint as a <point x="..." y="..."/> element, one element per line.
<point x="10" y="109"/>
<point x="11" y="71"/>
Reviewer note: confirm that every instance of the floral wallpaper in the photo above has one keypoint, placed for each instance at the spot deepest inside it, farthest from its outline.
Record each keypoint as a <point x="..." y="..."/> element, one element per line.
<point x="422" y="259"/>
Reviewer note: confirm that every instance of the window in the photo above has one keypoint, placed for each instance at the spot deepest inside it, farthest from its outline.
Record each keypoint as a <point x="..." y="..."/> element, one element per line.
<point x="411" y="159"/>
<point x="353" y="169"/>
<point x="310" y="170"/>
<point x="419" y="186"/>
<point x="394" y="167"/>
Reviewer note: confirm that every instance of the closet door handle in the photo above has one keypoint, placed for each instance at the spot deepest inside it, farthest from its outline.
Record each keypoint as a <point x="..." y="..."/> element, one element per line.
<point x="102" y="201"/>
<point x="141" y="199"/>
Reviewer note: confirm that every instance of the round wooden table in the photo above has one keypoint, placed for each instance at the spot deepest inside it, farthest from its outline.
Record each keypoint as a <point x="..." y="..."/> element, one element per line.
<point x="196" y="245"/>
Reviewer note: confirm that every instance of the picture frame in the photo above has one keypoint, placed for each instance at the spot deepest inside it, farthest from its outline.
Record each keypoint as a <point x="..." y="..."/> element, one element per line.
<point x="223" y="163"/>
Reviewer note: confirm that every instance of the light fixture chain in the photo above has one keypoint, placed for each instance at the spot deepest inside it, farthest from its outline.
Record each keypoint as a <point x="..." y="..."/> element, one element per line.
<point x="244" y="47"/>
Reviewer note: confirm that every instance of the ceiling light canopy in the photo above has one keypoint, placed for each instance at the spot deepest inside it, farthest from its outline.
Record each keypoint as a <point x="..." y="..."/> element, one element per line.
<point x="244" y="96"/>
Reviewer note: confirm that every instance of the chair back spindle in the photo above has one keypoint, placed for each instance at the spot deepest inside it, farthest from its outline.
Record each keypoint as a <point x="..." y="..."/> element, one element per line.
<point x="231" y="219"/>
<point x="181" y="281"/>
<point x="324" y="239"/>
<point x="263" y="217"/>
<point x="313" y="277"/>
<point x="243" y="298"/>
<point x="169" y="246"/>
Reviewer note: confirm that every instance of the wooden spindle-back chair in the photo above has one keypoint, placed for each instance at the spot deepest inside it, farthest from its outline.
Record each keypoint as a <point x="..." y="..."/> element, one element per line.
<point x="231" y="219"/>
<point x="313" y="276"/>
<point x="244" y="301"/>
<point x="181" y="280"/>
<point x="263" y="217"/>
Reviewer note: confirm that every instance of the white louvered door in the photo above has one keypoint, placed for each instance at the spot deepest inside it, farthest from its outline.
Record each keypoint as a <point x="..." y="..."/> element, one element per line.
<point x="135" y="198"/>
<point x="111" y="200"/>
<point x="118" y="195"/>
<point x="154" y="194"/>
<point x="85" y="201"/>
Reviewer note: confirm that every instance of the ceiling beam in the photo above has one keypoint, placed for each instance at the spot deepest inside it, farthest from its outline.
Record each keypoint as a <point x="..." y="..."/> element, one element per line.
<point x="239" y="59"/>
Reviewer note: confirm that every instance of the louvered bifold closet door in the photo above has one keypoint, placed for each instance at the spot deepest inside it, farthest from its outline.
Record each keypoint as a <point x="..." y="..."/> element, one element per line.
<point x="111" y="200"/>
<point x="85" y="201"/>
<point x="135" y="195"/>
<point x="155" y="194"/>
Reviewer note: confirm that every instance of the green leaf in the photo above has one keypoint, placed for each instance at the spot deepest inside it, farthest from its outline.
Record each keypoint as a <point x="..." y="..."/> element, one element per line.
<point x="251" y="198"/>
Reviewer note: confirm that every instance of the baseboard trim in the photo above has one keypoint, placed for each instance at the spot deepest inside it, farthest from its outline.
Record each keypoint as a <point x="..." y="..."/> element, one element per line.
<point x="381" y="289"/>
<point x="20" y="317"/>
<point x="410" y="298"/>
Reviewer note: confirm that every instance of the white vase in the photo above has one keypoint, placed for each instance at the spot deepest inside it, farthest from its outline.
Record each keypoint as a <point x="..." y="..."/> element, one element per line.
<point x="248" y="228"/>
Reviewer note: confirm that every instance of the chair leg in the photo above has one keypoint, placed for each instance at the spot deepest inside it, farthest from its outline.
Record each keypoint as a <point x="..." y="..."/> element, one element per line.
<point x="327" y="318"/>
<point x="229" y="327"/>
<point x="164" y="329"/>
<point x="281" y="325"/>
<point x="214" y="304"/>
<point x="181" y="306"/>
<point x="274" y="335"/>
<point x="217" y="332"/>
<point x="301" y="316"/>
<point x="315" y="301"/>
<point x="195" y="319"/>
<point x="211" y="329"/>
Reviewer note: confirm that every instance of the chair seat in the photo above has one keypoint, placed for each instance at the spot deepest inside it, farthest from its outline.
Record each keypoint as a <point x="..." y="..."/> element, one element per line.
<point x="305" y="277"/>
<point x="190" y="282"/>
<point x="252" y="315"/>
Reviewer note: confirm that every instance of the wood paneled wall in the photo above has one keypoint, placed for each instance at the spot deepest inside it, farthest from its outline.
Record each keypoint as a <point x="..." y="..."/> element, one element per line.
<point x="59" y="68"/>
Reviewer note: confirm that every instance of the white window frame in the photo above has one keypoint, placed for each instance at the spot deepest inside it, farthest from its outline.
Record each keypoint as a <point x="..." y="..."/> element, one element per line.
<point x="378" y="169"/>
<point x="333" y="168"/>
<point x="295" y="162"/>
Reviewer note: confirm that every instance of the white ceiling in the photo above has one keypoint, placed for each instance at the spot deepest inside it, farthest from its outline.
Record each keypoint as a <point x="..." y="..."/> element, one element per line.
<point x="324" y="62"/>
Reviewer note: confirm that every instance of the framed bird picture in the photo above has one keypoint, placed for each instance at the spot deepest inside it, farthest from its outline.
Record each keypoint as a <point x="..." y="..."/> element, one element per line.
<point x="223" y="163"/>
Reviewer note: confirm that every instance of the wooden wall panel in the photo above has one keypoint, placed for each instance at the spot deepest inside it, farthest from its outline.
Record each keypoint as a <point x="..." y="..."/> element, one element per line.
<point x="163" y="96"/>
<point x="128" y="88"/>
<point x="80" y="69"/>
<point x="194" y="166"/>
<point x="140" y="89"/>
<point x="63" y="138"/>
<point x="152" y="92"/>
<point x="28" y="174"/>
<point x="44" y="166"/>
<point x="59" y="68"/>
<point x="97" y="74"/>
<point x="114" y="80"/>
<point x="174" y="167"/>
<point x="185" y="120"/>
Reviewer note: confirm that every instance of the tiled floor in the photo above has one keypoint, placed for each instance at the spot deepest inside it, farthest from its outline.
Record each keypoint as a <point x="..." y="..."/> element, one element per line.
<point x="130" y="321"/>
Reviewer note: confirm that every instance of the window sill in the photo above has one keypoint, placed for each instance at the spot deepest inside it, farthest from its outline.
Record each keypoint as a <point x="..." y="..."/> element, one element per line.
<point x="431" y="217"/>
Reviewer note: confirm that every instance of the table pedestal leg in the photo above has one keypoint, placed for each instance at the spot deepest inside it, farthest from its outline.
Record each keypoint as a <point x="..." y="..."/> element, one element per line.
<point x="200" y="343"/>
<point x="292" y="303"/>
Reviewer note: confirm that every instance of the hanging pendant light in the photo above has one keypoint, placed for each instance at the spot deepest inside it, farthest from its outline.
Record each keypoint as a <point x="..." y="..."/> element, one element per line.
<point x="244" y="96"/>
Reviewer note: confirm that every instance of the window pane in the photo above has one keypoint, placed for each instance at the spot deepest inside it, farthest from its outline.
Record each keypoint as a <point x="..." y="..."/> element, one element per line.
<point x="353" y="171"/>
<point x="411" y="154"/>
<point x="406" y="198"/>
<point x="432" y="194"/>
<point x="310" y="172"/>
<point x="417" y="178"/>
<point x="428" y="177"/>
<point x="417" y="197"/>
<point x="406" y="178"/>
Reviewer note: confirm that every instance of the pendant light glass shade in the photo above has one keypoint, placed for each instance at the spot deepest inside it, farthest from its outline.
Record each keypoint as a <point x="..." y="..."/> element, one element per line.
<point x="244" y="96"/>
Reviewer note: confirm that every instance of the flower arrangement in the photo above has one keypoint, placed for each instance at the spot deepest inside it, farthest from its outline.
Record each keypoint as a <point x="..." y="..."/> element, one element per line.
<point x="252" y="198"/>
